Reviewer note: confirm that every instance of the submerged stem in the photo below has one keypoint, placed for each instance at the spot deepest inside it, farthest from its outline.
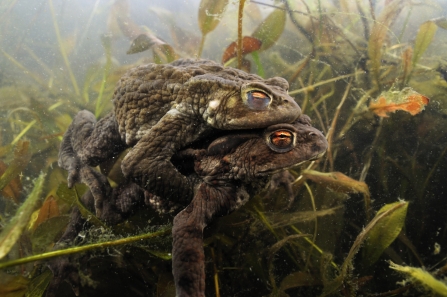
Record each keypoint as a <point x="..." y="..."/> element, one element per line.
<point x="62" y="49"/>
<point x="84" y="248"/>
<point x="239" y="33"/>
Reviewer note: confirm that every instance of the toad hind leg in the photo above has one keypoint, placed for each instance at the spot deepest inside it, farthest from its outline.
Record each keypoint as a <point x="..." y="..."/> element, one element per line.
<point x="188" y="258"/>
<point x="149" y="161"/>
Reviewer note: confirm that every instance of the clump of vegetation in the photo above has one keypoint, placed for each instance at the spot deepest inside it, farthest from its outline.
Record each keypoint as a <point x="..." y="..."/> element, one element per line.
<point x="369" y="74"/>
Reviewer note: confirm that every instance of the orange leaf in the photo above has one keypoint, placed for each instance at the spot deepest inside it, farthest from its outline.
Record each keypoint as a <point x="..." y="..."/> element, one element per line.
<point x="48" y="210"/>
<point x="407" y="100"/>
<point x="249" y="44"/>
<point x="13" y="188"/>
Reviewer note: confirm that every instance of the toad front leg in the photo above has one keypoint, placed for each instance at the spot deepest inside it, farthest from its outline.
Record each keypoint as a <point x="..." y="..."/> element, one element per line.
<point x="88" y="143"/>
<point x="149" y="161"/>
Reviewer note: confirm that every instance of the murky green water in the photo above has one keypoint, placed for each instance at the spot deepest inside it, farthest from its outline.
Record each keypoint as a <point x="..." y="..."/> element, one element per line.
<point x="372" y="75"/>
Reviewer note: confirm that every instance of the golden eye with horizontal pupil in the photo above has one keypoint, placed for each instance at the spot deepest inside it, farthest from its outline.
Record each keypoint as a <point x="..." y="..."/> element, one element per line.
<point x="281" y="141"/>
<point x="257" y="100"/>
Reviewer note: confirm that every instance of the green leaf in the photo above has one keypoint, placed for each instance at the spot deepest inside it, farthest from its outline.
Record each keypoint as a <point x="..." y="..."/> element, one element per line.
<point x="71" y="196"/>
<point x="440" y="22"/>
<point x="269" y="31"/>
<point x="37" y="285"/>
<point x="423" y="39"/>
<point x="297" y="279"/>
<point x="140" y="44"/>
<point x="47" y="232"/>
<point x="164" y="53"/>
<point x="210" y="12"/>
<point x="384" y="233"/>
<point x="334" y="285"/>
<point x="15" y="227"/>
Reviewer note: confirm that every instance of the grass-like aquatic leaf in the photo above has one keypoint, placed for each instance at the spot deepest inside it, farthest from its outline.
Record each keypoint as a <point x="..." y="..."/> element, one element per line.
<point x="37" y="285"/>
<point x="379" y="33"/>
<point x="280" y="220"/>
<point x="15" y="227"/>
<point x="384" y="233"/>
<point x="274" y="249"/>
<point x="423" y="39"/>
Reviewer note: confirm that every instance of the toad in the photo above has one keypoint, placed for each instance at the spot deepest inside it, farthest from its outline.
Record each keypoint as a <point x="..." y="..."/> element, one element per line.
<point x="159" y="109"/>
<point x="229" y="171"/>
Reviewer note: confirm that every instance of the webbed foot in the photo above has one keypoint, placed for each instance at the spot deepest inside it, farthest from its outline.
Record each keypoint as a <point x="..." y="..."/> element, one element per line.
<point x="286" y="179"/>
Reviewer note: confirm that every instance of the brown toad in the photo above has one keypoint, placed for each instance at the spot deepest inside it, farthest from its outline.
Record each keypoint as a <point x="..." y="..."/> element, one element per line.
<point x="231" y="170"/>
<point x="227" y="173"/>
<point x="159" y="109"/>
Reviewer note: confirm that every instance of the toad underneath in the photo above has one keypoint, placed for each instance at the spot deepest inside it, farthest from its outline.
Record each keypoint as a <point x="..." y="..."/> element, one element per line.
<point x="228" y="172"/>
<point x="159" y="109"/>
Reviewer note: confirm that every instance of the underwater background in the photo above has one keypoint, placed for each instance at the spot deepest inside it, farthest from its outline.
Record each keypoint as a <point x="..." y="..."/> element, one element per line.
<point x="368" y="219"/>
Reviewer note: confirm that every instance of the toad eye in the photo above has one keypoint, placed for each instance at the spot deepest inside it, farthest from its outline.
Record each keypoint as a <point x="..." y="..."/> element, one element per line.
<point x="281" y="141"/>
<point x="258" y="100"/>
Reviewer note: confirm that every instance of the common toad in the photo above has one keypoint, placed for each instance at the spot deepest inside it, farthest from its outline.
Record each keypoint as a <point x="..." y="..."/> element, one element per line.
<point x="233" y="169"/>
<point x="228" y="172"/>
<point x="159" y="109"/>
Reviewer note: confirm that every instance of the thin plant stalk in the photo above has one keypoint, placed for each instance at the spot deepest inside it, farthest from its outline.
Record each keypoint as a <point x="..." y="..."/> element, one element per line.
<point x="202" y="43"/>
<point x="84" y="248"/>
<point x="316" y="247"/>
<point x="360" y="104"/>
<point x="331" y="130"/>
<point x="62" y="49"/>
<point x="312" y="87"/>
<point x="216" y="274"/>
<point x="369" y="157"/>
<point x="239" y="33"/>
<point x="25" y="70"/>
<point x="17" y="138"/>
<point x="314" y="238"/>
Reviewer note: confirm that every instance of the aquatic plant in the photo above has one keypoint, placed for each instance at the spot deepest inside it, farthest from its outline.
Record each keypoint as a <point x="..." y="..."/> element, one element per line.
<point x="377" y="196"/>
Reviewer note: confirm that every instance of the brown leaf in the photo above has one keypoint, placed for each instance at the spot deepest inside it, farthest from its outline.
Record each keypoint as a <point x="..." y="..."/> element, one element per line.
<point x="13" y="285"/>
<point x="21" y="159"/>
<point x="13" y="189"/>
<point x="407" y="100"/>
<point x="249" y="44"/>
<point x="406" y="63"/>
<point x="48" y="210"/>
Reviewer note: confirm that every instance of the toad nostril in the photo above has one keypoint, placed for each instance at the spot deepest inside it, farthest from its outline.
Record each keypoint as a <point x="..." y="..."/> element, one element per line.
<point x="312" y="134"/>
